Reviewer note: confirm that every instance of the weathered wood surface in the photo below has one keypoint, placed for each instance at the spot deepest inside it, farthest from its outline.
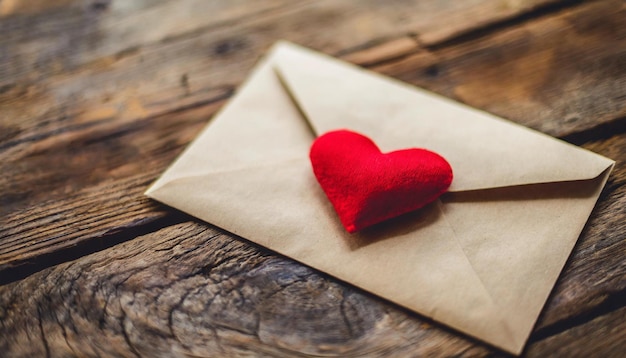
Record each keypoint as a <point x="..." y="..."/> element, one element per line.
<point x="94" y="105"/>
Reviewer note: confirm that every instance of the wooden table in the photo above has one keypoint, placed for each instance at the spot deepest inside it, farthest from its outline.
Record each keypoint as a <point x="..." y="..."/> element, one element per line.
<point x="97" y="97"/>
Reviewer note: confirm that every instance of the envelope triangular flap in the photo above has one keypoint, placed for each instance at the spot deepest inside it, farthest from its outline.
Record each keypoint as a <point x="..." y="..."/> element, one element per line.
<point x="247" y="132"/>
<point x="483" y="150"/>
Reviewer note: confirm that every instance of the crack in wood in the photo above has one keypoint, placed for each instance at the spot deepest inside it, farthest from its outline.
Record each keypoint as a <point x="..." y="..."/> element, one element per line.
<point x="124" y="332"/>
<point x="54" y="132"/>
<point x="598" y="132"/>
<point x="487" y="29"/>
<point x="20" y="269"/>
<point x="612" y="303"/>
<point x="44" y="340"/>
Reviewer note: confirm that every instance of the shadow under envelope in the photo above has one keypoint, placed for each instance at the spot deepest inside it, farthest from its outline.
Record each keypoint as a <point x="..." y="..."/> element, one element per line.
<point x="395" y="227"/>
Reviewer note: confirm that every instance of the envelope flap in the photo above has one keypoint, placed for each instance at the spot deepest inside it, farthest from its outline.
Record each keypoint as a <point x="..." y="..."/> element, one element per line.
<point x="484" y="151"/>
<point x="247" y="132"/>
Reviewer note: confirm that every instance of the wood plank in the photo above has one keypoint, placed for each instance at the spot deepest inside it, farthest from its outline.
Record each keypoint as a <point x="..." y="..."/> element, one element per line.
<point x="97" y="186"/>
<point x="57" y="40"/>
<point x="75" y="33"/>
<point x="190" y="288"/>
<point x="604" y="336"/>
<point x="102" y="145"/>
<point x="50" y="80"/>
<point x="559" y="74"/>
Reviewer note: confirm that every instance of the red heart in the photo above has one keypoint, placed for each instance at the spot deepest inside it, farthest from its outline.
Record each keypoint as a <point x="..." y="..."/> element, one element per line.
<point x="366" y="186"/>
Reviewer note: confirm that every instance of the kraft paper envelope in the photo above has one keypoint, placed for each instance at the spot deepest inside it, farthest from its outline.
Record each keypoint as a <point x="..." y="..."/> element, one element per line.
<point x="482" y="259"/>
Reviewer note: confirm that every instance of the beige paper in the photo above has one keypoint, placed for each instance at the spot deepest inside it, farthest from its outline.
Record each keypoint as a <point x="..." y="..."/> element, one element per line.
<point x="482" y="260"/>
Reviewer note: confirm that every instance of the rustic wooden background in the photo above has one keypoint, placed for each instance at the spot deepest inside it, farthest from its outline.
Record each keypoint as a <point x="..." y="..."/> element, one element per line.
<point x="97" y="97"/>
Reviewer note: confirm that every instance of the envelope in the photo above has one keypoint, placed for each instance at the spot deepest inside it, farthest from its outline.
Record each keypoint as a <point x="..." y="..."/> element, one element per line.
<point x="482" y="259"/>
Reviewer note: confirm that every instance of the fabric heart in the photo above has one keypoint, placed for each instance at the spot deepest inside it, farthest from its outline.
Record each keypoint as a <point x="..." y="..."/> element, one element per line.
<point x="366" y="186"/>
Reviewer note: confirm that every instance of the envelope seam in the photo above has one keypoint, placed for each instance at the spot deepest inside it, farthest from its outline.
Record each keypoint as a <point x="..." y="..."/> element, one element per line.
<point x="505" y="324"/>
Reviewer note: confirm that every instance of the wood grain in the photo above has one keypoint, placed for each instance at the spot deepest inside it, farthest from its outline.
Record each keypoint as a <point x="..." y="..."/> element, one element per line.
<point x="59" y="40"/>
<point x="54" y="37"/>
<point x="557" y="74"/>
<point x="102" y="190"/>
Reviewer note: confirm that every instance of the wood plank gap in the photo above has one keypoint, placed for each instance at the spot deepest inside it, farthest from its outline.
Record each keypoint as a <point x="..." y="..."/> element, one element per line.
<point x="613" y="302"/>
<point x="56" y="131"/>
<point x="50" y="238"/>
<point x="226" y="94"/>
<point x="369" y="45"/>
<point x="383" y="60"/>
<point x="500" y="25"/>
<point x="601" y="131"/>
<point x="22" y="269"/>
<point x="23" y="221"/>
